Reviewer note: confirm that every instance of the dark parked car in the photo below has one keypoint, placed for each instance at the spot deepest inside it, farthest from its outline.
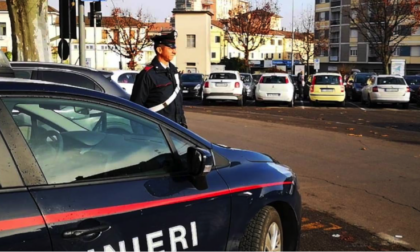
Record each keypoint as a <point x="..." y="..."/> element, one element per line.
<point x="192" y="85"/>
<point x="85" y="171"/>
<point x="249" y="84"/>
<point x="71" y="75"/>
<point x="356" y="83"/>
<point x="413" y="81"/>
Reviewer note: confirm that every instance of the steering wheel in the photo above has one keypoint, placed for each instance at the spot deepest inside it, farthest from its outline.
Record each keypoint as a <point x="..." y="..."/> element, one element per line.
<point x="47" y="147"/>
<point x="56" y="141"/>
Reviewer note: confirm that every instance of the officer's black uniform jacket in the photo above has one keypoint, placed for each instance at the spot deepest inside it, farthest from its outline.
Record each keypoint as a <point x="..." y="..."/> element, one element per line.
<point x="154" y="85"/>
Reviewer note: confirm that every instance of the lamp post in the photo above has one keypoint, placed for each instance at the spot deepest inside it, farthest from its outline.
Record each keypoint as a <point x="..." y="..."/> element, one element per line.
<point x="293" y="34"/>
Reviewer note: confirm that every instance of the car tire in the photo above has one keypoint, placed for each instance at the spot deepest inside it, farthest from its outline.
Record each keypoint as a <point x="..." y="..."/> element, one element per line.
<point x="241" y="102"/>
<point x="405" y="105"/>
<point x="291" y="104"/>
<point x="260" y="229"/>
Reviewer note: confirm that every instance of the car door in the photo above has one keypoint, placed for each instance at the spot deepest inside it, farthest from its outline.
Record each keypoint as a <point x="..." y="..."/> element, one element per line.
<point x="21" y="224"/>
<point x="116" y="180"/>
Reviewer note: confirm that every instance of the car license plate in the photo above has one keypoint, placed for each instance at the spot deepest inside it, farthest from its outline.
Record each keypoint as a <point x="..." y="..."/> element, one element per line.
<point x="327" y="90"/>
<point x="221" y="84"/>
<point x="273" y="94"/>
<point x="391" y="89"/>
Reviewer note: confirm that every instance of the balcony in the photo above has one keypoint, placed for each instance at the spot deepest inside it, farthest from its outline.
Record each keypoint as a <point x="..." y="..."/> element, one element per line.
<point x="335" y="3"/>
<point x="333" y="58"/>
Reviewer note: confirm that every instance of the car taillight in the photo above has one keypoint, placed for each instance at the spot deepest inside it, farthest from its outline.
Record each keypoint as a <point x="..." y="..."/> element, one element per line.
<point x="313" y="84"/>
<point x="408" y="90"/>
<point x="237" y="84"/>
<point x="375" y="89"/>
<point x="261" y="80"/>
<point x="287" y="80"/>
<point x="206" y="84"/>
<point x="341" y="80"/>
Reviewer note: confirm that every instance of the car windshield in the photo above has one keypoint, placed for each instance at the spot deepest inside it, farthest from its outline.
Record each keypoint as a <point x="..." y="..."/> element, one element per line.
<point x="192" y="78"/>
<point x="222" y="76"/>
<point x="390" y="81"/>
<point x="274" y="79"/>
<point x="246" y="78"/>
<point x="362" y="78"/>
<point x="413" y="80"/>
<point x="327" y="79"/>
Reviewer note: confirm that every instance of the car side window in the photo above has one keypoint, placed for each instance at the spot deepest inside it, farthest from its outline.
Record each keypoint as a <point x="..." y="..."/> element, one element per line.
<point x="181" y="147"/>
<point x="127" y="78"/>
<point x="23" y="74"/>
<point x="78" y="141"/>
<point x="72" y="79"/>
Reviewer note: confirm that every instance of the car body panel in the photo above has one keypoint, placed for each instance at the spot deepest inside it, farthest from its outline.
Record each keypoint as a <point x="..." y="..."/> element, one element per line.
<point x="125" y="78"/>
<point x="192" y="85"/>
<point x="413" y="82"/>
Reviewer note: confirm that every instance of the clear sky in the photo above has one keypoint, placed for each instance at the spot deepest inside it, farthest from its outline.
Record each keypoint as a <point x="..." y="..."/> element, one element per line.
<point x="161" y="9"/>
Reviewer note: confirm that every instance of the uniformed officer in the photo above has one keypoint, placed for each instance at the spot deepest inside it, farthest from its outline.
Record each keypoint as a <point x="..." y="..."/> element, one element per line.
<point x="158" y="85"/>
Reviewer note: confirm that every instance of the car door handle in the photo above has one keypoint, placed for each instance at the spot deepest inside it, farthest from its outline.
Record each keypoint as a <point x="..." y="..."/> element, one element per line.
<point x="87" y="231"/>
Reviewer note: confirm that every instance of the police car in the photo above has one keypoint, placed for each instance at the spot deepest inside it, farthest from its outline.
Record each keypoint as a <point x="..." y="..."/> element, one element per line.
<point x="85" y="171"/>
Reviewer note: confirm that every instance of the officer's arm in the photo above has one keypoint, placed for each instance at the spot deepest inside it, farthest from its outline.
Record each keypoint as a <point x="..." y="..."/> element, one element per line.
<point x="141" y="88"/>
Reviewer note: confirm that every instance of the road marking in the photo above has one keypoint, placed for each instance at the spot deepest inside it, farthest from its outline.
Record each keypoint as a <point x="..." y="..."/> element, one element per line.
<point x="312" y="226"/>
<point x="333" y="227"/>
<point x="304" y="219"/>
<point x="392" y="239"/>
<point x="358" y="106"/>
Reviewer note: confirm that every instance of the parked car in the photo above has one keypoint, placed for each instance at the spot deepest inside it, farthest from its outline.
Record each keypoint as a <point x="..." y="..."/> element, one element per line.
<point x="275" y="87"/>
<point x="386" y="89"/>
<point x="192" y="85"/>
<point x="71" y="75"/>
<point x="226" y="85"/>
<point x="413" y="82"/>
<point x="327" y="88"/>
<point x="356" y="82"/>
<point x="125" y="78"/>
<point x="86" y="171"/>
<point x="249" y="84"/>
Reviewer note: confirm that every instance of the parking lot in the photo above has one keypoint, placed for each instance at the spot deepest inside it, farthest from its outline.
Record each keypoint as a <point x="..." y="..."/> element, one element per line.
<point x="358" y="166"/>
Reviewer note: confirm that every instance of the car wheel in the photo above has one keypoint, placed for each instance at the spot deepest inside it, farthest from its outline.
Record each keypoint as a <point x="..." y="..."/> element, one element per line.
<point x="370" y="103"/>
<point x="405" y="105"/>
<point x="264" y="232"/>
<point x="241" y="102"/>
<point x="292" y="103"/>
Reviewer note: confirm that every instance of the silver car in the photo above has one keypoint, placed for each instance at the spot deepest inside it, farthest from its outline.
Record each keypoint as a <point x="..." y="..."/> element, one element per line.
<point x="249" y="84"/>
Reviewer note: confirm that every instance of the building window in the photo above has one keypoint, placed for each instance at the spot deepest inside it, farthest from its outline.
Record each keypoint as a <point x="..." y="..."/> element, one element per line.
<point x="230" y="55"/>
<point x="353" y="51"/>
<point x="272" y="56"/>
<point x="289" y="56"/>
<point x="262" y="42"/>
<point x="217" y="39"/>
<point x="3" y="29"/>
<point x="279" y="55"/>
<point x="415" y="51"/>
<point x="273" y="42"/>
<point x="89" y="47"/>
<point x="397" y="51"/>
<point x="75" y="47"/>
<point x="213" y="55"/>
<point x="191" y="41"/>
<point x="104" y="34"/>
<point x="280" y="42"/>
<point x="354" y="33"/>
<point x="190" y="63"/>
<point x="262" y="55"/>
<point x="252" y="55"/>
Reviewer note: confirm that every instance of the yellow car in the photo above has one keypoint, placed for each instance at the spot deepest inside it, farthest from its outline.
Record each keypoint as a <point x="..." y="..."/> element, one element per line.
<point x="327" y="88"/>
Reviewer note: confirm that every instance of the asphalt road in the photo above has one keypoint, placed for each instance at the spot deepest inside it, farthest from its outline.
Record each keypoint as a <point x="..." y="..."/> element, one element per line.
<point x="366" y="182"/>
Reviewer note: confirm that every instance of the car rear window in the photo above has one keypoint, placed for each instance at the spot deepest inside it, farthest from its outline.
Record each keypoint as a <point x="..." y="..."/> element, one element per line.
<point x="390" y="81"/>
<point x="327" y="79"/>
<point x="274" y="79"/>
<point x="192" y="78"/>
<point x="222" y="76"/>
<point x="413" y="80"/>
<point x="362" y="78"/>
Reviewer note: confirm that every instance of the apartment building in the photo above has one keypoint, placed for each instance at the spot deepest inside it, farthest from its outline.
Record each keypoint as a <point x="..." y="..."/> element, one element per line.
<point x="348" y="47"/>
<point x="219" y="8"/>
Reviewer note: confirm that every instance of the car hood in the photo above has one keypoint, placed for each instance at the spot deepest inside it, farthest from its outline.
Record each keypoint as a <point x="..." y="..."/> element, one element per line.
<point x="238" y="155"/>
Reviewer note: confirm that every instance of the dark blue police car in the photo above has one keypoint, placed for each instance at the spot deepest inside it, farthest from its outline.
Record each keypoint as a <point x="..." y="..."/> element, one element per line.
<point x="86" y="171"/>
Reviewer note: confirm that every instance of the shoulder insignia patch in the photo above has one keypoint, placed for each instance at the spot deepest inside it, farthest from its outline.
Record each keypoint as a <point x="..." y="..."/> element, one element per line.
<point x="147" y="68"/>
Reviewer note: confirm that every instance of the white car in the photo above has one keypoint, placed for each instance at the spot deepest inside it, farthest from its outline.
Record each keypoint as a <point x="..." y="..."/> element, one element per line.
<point x="386" y="89"/>
<point x="275" y="87"/>
<point x="224" y="85"/>
<point x="125" y="78"/>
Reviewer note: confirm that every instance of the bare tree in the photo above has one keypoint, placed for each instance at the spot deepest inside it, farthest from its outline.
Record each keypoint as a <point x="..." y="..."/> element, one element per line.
<point x="129" y="34"/>
<point x="247" y="29"/>
<point x="308" y="45"/>
<point x="30" y="36"/>
<point x="384" y="24"/>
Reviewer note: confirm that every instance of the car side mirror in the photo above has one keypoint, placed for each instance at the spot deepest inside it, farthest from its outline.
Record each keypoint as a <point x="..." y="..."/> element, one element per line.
<point x="200" y="163"/>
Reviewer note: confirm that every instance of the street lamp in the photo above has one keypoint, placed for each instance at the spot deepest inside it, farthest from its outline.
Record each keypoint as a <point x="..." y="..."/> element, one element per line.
<point x="293" y="33"/>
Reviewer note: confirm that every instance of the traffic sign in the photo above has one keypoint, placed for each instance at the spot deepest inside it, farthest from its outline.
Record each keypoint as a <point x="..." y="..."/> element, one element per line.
<point x="63" y="49"/>
<point x="316" y="64"/>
